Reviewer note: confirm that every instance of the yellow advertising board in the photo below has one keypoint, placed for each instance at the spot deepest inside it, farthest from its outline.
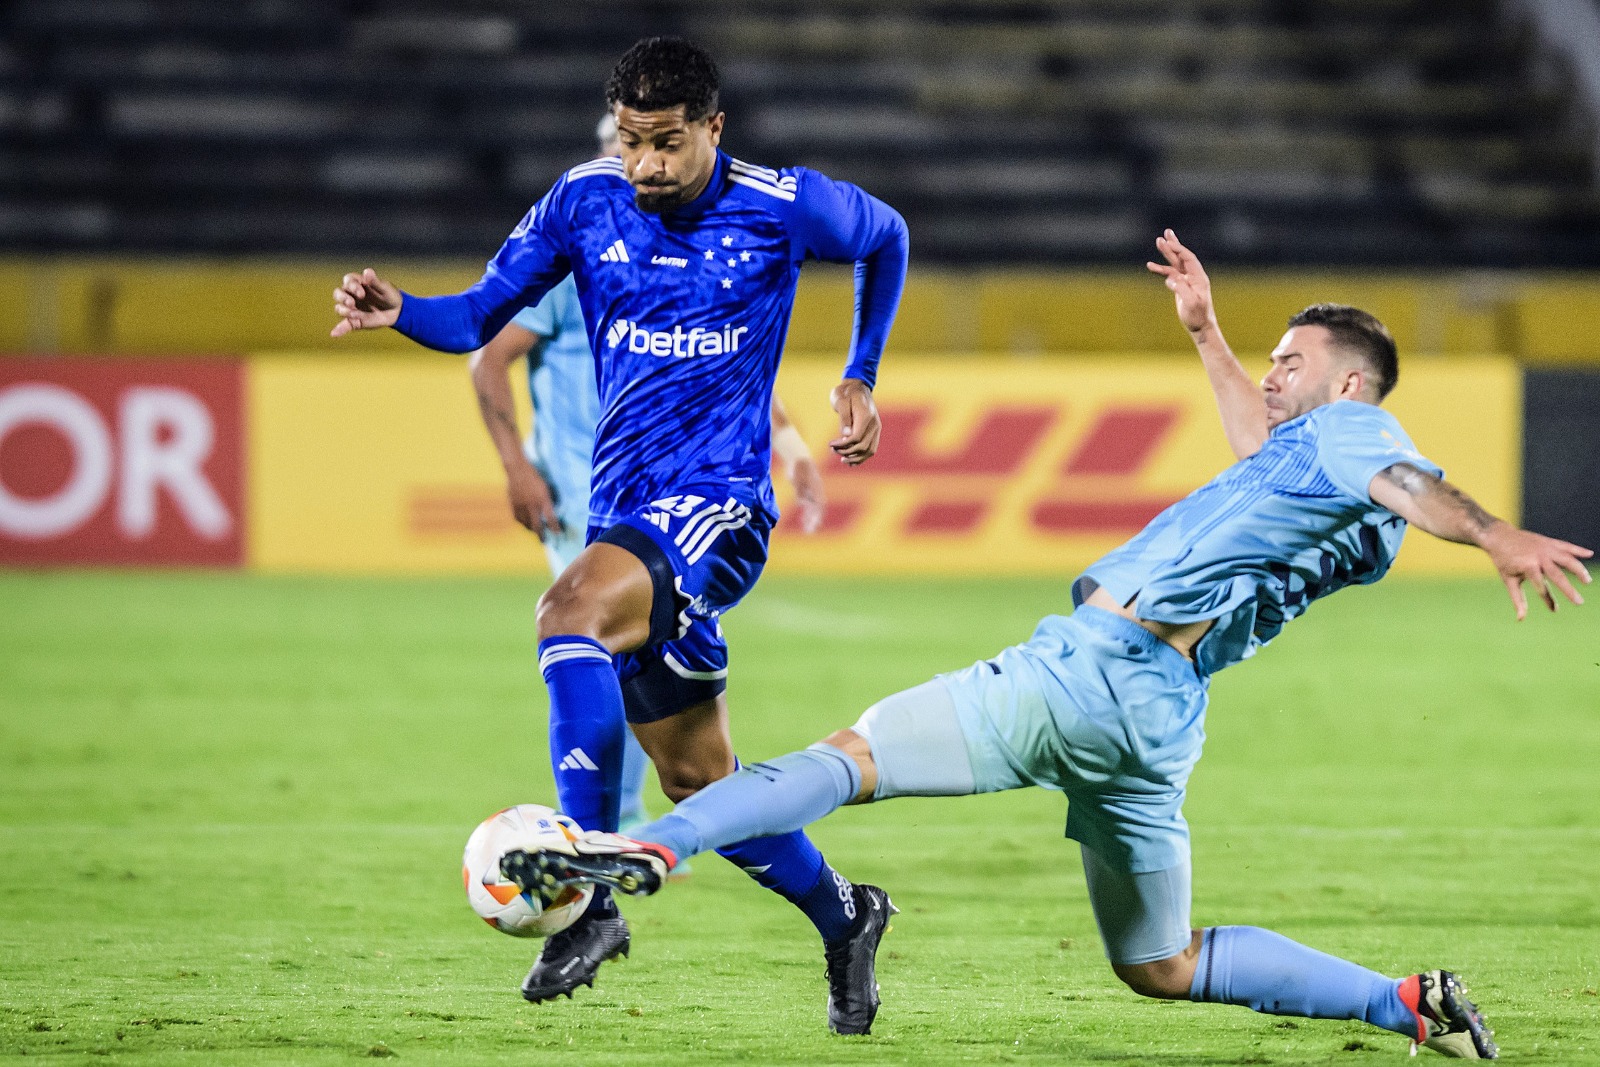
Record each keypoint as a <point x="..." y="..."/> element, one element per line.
<point x="375" y="464"/>
<point x="1039" y="467"/>
<point x="987" y="465"/>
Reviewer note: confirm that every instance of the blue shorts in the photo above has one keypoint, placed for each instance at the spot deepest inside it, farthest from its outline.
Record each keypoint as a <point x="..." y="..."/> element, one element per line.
<point x="704" y="551"/>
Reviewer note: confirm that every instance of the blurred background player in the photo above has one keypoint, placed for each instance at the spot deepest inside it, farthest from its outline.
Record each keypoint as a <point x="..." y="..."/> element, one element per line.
<point x="1108" y="704"/>
<point x="547" y="474"/>
<point x="686" y="262"/>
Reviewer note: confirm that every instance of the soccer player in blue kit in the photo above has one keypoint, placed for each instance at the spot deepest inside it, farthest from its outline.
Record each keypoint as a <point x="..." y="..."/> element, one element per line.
<point x="547" y="474"/>
<point x="686" y="262"/>
<point x="1108" y="704"/>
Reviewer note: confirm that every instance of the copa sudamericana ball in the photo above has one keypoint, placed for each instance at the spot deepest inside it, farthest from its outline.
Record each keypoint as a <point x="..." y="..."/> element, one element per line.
<point x="499" y="902"/>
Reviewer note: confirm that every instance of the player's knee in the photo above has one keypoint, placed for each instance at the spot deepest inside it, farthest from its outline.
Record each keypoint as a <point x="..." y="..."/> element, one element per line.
<point x="681" y="779"/>
<point x="679" y="784"/>
<point x="858" y="749"/>
<point x="561" y="611"/>
<point x="1152" y="980"/>
<point x="1168" y="979"/>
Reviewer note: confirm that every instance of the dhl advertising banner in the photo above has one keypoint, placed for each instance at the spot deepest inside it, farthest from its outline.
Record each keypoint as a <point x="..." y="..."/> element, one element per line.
<point x="380" y="463"/>
<point x="122" y="462"/>
<point x="1039" y="467"/>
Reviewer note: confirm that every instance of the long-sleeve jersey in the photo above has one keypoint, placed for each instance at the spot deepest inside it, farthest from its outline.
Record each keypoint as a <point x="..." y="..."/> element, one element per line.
<point x="1253" y="547"/>
<point x="687" y="312"/>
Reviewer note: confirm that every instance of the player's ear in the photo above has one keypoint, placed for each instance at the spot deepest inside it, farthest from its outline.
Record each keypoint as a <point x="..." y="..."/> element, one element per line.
<point x="1352" y="383"/>
<point x="714" y="127"/>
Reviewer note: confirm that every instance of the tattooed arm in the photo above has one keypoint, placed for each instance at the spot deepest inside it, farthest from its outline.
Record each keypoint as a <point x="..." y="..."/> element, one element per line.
<point x="531" y="501"/>
<point x="1441" y="509"/>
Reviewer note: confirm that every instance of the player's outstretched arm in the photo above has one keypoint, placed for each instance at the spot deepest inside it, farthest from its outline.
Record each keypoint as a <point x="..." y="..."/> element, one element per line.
<point x="1434" y="505"/>
<point x="365" y="301"/>
<point x="532" y="503"/>
<point x="1239" y="399"/>
<point x="799" y="467"/>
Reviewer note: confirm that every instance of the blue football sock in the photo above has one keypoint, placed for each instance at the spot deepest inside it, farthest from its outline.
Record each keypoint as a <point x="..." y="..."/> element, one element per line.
<point x="1270" y="973"/>
<point x="586" y="729"/>
<point x="791" y="866"/>
<point x="634" y="765"/>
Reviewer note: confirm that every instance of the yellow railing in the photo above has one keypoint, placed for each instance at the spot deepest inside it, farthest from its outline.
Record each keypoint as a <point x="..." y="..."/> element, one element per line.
<point x="162" y="306"/>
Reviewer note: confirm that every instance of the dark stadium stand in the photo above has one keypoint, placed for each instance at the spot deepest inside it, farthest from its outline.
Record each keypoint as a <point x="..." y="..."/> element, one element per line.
<point x="1374" y="132"/>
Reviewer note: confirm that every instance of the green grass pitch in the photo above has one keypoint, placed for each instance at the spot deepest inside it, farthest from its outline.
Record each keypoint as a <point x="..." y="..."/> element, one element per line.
<point x="232" y="810"/>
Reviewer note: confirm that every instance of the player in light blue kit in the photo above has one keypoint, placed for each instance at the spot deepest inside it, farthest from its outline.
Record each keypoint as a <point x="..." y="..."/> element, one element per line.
<point x="1107" y="704"/>
<point x="547" y="474"/>
<point x="686" y="262"/>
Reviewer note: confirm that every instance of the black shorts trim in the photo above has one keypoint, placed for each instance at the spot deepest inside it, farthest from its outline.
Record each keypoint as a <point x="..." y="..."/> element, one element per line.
<point x="665" y="601"/>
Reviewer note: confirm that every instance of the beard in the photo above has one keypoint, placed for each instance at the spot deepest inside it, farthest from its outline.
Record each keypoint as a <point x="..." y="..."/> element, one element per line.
<point x="656" y="199"/>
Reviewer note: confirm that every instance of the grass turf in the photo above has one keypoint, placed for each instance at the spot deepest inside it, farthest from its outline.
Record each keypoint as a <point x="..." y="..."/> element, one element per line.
<point x="231" y="814"/>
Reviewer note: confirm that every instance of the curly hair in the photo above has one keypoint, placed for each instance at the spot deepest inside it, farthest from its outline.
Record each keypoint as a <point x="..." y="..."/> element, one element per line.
<point x="662" y="72"/>
<point x="1361" y="333"/>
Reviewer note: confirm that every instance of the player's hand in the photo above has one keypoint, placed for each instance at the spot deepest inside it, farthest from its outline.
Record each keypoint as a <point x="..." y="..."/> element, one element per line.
<point x="1523" y="556"/>
<point x="858" y="422"/>
<point x="809" y="494"/>
<point x="532" y="503"/>
<point x="1187" y="279"/>
<point x="365" y="302"/>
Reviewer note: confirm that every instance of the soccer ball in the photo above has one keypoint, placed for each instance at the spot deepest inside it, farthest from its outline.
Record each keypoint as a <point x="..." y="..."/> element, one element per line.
<point x="499" y="902"/>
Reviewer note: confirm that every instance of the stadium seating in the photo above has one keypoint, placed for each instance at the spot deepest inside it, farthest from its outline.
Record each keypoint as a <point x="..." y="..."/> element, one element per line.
<point x="1372" y="132"/>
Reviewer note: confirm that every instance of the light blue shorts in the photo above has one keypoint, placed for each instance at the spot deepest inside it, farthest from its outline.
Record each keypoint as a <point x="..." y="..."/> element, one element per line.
<point x="1095" y="706"/>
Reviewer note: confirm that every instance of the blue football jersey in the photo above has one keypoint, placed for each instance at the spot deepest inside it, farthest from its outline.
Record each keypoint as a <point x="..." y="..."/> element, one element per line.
<point x="1253" y="547"/>
<point x="566" y="400"/>
<point x="686" y="311"/>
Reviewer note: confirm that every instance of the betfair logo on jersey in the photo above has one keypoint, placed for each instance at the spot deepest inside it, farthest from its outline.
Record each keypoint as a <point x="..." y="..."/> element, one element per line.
<point x="676" y="342"/>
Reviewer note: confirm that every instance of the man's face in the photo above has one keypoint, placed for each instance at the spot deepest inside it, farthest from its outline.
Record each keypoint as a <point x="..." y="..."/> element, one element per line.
<point x="1308" y="371"/>
<point x="667" y="158"/>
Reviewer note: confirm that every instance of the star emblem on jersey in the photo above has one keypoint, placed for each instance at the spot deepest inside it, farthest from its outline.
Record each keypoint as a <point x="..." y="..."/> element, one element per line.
<point x="744" y="257"/>
<point x="727" y="283"/>
<point x="727" y="242"/>
<point x="710" y="254"/>
<point x="617" y="253"/>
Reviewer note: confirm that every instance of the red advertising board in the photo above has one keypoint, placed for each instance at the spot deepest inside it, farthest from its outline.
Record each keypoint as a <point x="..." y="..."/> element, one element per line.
<point x="122" y="462"/>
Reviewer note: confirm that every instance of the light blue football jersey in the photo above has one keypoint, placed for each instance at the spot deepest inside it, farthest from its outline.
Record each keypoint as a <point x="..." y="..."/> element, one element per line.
<point x="686" y="312"/>
<point x="566" y="400"/>
<point x="1253" y="547"/>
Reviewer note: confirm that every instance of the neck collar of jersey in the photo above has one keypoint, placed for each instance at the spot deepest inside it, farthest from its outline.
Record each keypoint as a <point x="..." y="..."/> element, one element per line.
<point x="708" y="196"/>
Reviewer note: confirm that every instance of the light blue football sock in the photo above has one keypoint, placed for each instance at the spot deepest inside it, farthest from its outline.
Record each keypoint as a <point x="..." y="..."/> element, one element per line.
<point x="762" y="800"/>
<point x="1259" y="969"/>
<point x="634" y="765"/>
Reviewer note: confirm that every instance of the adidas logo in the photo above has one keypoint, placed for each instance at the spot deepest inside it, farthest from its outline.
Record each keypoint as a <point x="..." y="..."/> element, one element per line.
<point x="617" y="253"/>
<point x="577" y="760"/>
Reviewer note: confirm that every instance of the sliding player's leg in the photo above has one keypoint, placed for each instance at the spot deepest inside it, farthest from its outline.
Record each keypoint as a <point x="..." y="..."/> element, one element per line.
<point x="691" y="750"/>
<point x="1144" y="924"/>
<point x="1126" y="797"/>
